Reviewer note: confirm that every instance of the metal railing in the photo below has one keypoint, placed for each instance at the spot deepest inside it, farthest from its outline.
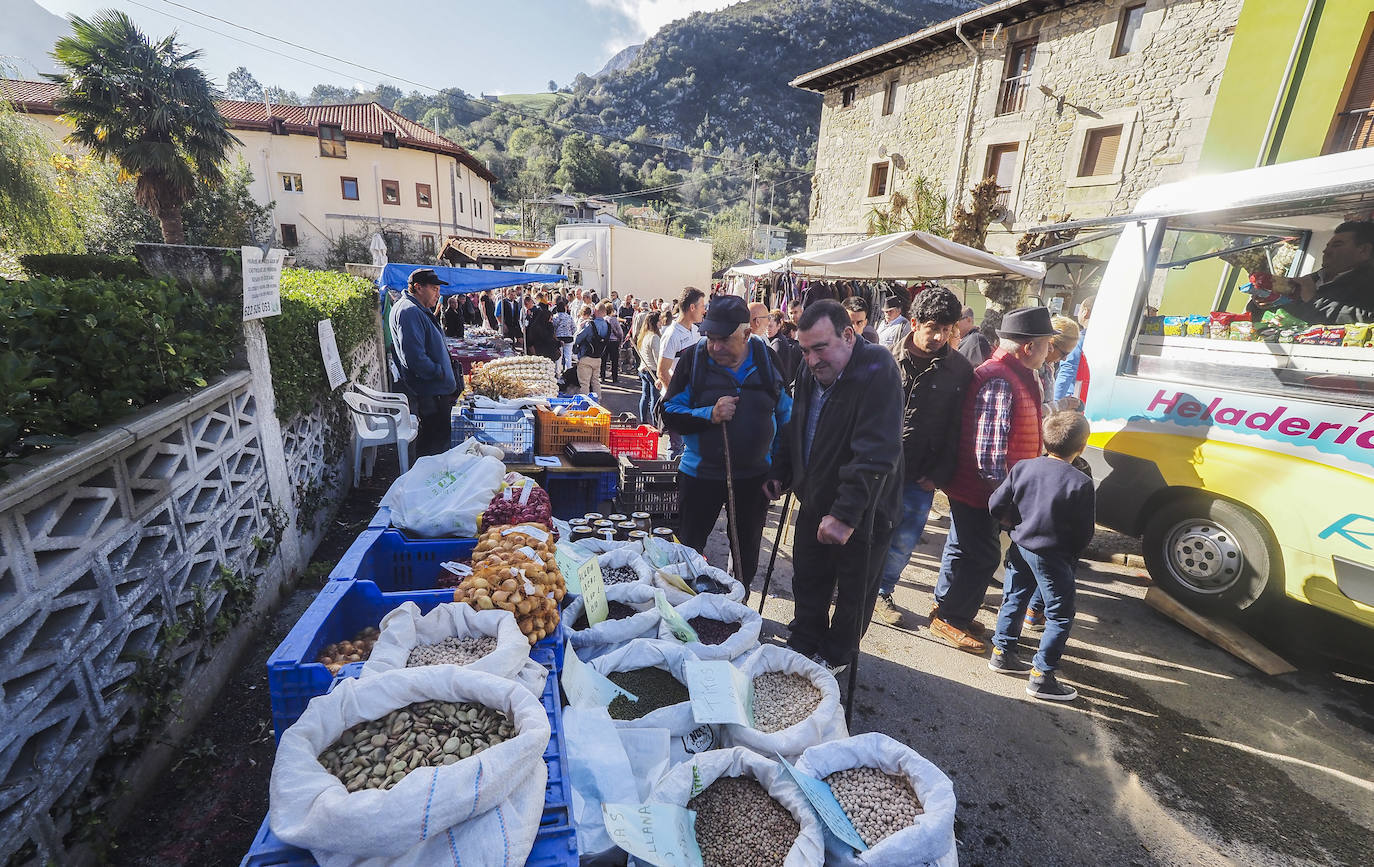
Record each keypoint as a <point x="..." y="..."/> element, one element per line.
<point x="1013" y="94"/>
<point x="1355" y="131"/>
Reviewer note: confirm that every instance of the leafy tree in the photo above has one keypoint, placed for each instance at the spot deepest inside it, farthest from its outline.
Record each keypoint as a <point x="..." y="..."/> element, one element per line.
<point x="924" y="211"/>
<point x="586" y="167"/>
<point x="34" y="217"/>
<point x="281" y="96"/>
<point x="325" y="94"/>
<point x="242" y="85"/>
<point x="971" y="223"/>
<point x="145" y="106"/>
<point x="553" y="86"/>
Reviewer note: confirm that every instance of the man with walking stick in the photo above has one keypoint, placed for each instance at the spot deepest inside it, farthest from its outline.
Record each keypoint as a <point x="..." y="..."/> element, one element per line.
<point x="842" y="457"/>
<point x="726" y="399"/>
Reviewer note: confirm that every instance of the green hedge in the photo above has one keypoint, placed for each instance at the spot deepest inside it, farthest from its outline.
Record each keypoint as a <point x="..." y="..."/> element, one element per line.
<point x="78" y="354"/>
<point x="81" y="266"/>
<point x="293" y="341"/>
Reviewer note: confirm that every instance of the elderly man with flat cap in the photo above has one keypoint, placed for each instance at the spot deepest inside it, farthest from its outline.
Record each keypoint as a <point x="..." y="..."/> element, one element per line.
<point x="422" y="356"/>
<point x="1001" y="428"/>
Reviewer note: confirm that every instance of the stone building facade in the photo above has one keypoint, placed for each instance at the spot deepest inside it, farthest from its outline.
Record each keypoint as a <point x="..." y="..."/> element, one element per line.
<point x="1077" y="106"/>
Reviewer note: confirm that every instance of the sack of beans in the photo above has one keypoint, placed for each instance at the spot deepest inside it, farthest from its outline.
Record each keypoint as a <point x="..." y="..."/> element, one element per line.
<point x="726" y="629"/>
<point x="702" y="578"/>
<point x="749" y="811"/>
<point x="901" y="804"/>
<point x="412" y="765"/>
<point x="655" y="672"/>
<point x="455" y="633"/>
<point x="796" y="704"/>
<point x="624" y="566"/>
<point x="631" y="614"/>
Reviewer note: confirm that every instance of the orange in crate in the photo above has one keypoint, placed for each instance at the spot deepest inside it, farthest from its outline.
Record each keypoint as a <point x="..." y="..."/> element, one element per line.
<point x="573" y="426"/>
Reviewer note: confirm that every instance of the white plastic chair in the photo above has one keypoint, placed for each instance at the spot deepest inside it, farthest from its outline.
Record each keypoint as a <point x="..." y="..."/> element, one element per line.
<point x="386" y="400"/>
<point x="377" y="425"/>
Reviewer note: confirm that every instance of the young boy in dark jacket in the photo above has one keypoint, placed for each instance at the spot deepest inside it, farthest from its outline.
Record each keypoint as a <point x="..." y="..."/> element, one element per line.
<point x="1049" y="506"/>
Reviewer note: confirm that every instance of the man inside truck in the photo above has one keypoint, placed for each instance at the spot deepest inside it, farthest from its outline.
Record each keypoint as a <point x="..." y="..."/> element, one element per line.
<point x="1342" y="290"/>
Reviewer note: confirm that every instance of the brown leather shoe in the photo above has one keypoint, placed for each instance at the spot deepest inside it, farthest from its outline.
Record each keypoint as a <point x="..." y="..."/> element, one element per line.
<point x="956" y="636"/>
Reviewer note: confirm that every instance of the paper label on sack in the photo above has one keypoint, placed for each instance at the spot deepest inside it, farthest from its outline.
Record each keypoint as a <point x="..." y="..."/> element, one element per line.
<point x="261" y="282"/>
<point x="823" y="802"/>
<point x="460" y="569"/>
<point x="585" y="686"/>
<point x="681" y="629"/>
<point x="660" y="834"/>
<point x="329" y="351"/>
<point x="568" y="565"/>
<point x="525" y="491"/>
<point x="530" y="553"/>
<point x="676" y="582"/>
<point x="720" y="692"/>
<point x="536" y="533"/>
<point x="593" y="591"/>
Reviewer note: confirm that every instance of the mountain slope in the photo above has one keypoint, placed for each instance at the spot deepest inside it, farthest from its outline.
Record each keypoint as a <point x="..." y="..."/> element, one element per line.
<point x="622" y="60"/>
<point x="722" y="76"/>
<point x="26" y="37"/>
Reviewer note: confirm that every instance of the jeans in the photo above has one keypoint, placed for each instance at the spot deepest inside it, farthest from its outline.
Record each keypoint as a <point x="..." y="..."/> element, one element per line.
<point x="611" y="359"/>
<point x="1052" y="575"/>
<point x="967" y="563"/>
<point x="816" y="570"/>
<point x="915" y="511"/>
<point x="648" y="396"/>
<point x="700" y="504"/>
<point x="565" y="345"/>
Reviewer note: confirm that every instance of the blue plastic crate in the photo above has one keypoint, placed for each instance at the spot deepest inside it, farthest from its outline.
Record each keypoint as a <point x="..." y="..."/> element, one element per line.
<point x="572" y="495"/>
<point x="395" y="562"/>
<point x="342" y="609"/>
<point x="572" y="401"/>
<point x="268" y="851"/>
<point x="512" y="430"/>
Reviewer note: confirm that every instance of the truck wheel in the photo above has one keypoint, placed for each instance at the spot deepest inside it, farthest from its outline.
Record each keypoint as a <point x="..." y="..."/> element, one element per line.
<point x="1212" y="555"/>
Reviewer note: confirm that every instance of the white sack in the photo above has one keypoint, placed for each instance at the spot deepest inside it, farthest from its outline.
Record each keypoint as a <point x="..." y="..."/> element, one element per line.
<point x="686" y="735"/>
<point x="717" y="607"/>
<point x="404" y="629"/>
<point x="705" y="768"/>
<point x="689" y="571"/>
<point x="825" y="723"/>
<point x="602" y="638"/>
<point x="629" y="556"/>
<point x="930" y="841"/>
<point x="444" y="495"/>
<point x="487" y="806"/>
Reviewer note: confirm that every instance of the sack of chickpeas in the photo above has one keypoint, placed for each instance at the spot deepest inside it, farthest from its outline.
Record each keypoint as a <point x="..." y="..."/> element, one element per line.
<point x="796" y="704"/>
<point x="725" y="629"/>
<point x="748" y="809"/>
<point x="455" y="633"/>
<point x="406" y="767"/>
<point x="655" y="673"/>
<point x="901" y="804"/>
<point x="632" y="614"/>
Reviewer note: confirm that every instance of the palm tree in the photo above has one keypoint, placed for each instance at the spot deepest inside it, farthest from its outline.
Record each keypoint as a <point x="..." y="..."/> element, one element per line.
<point x="143" y="105"/>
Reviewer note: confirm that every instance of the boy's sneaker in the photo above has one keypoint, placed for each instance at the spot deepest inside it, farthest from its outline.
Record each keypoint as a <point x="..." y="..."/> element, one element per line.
<point x="1007" y="662"/>
<point x="1034" y="619"/>
<point x="834" y="668"/>
<point x="1043" y="684"/>
<point x="885" y="610"/>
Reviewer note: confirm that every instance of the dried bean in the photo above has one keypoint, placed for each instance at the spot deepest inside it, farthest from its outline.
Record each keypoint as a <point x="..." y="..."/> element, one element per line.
<point x="710" y="631"/>
<point x="782" y="699"/>
<point x="614" y="611"/>
<point x="879" y="804"/>
<point x="740" y="825"/>
<point x="654" y="687"/>
<point x="619" y="575"/>
<point x="451" y="651"/>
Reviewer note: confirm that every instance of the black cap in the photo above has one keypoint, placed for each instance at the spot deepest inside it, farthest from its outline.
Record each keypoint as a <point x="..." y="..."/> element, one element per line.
<point x="1027" y="322"/>
<point x="892" y="303"/>
<point x="724" y="316"/>
<point x="425" y="277"/>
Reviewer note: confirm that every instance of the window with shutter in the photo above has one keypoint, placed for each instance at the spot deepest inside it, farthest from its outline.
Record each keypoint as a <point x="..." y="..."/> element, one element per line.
<point x="890" y="97"/>
<point x="1354" y="127"/>
<point x="1100" y="147"/>
<point x="1016" y="80"/>
<point x="1002" y="166"/>
<point x="877" y="180"/>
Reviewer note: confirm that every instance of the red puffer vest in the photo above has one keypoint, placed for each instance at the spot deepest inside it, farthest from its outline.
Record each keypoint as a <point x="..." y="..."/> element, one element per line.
<point x="1024" y="441"/>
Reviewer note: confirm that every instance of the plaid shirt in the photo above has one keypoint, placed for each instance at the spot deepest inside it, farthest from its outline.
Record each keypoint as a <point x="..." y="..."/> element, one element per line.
<point x="992" y="415"/>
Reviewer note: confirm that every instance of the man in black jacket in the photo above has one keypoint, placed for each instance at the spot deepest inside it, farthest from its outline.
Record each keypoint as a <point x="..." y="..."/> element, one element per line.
<point x="934" y="379"/>
<point x="1342" y="292"/>
<point x="842" y="456"/>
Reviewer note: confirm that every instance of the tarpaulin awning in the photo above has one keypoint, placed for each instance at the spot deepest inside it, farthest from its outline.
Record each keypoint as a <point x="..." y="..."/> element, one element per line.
<point x="911" y="256"/>
<point x="756" y="269"/>
<point x="463" y="280"/>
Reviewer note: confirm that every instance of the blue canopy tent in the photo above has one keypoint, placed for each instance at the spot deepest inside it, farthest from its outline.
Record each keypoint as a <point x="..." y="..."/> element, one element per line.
<point x="463" y="280"/>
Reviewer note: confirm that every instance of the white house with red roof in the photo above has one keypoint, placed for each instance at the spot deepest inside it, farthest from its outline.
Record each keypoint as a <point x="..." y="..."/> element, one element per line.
<point x="334" y="170"/>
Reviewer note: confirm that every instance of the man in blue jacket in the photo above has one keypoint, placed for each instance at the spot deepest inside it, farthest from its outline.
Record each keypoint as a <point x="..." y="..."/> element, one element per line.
<point x="422" y="356"/>
<point x="726" y="387"/>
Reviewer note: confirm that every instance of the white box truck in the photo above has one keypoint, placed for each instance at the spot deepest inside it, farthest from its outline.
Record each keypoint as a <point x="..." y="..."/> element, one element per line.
<point x="646" y="265"/>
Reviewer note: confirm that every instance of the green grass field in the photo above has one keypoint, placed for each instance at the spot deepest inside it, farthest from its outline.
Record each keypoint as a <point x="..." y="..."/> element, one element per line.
<point x="540" y="102"/>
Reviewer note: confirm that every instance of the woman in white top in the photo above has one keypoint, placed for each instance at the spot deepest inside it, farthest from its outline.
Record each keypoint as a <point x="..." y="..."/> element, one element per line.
<point x="563" y="330"/>
<point x="648" y="343"/>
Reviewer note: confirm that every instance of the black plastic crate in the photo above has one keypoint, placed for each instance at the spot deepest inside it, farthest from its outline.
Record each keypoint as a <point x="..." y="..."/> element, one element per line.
<point x="649" y="486"/>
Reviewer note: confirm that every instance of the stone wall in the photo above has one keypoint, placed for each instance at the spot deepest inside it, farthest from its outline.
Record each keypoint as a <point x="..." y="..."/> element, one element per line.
<point x="1161" y="94"/>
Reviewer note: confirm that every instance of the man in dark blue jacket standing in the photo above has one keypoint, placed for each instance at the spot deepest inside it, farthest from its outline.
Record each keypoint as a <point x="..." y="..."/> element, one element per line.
<point x="422" y="356"/>
<point x="726" y="388"/>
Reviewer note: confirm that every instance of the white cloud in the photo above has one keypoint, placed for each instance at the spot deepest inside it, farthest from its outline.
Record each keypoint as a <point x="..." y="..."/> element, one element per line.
<point x="646" y="17"/>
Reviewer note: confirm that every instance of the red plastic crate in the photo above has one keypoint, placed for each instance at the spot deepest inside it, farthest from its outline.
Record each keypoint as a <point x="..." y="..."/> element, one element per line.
<point x="635" y="442"/>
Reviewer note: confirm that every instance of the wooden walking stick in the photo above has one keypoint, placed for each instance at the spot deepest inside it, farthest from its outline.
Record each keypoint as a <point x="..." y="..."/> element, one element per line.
<point x="731" y="531"/>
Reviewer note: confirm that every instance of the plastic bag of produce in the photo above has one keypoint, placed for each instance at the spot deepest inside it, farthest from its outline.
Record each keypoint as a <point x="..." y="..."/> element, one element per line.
<point x="696" y="574"/>
<point x="443" y="495"/>
<point x="405" y="628"/>
<point x="824" y="723"/>
<point x="930" y="841"/>
<point x="518" y="500"/>
<point x="594" y="641"/>
<point x="690" y="778"/>
<point x="713" y="606"/>
<point x="686" y="735"/>
<point x="486" y="806"/>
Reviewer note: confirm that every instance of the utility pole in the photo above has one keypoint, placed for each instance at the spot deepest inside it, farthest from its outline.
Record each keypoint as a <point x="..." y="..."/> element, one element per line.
<point x="753" y="210"/>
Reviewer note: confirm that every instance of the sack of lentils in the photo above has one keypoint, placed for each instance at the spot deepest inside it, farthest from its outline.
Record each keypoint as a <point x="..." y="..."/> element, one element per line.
<point x="655" y="671"/>
<point x="749" y="812"/>
<point x="436" y="759"/>
<point x="727" y="629"/>
<point x="631" y="614"/>
<point x="796" y="704"/>
<point x="455" y="633"/>
<point x="901" y="804"/>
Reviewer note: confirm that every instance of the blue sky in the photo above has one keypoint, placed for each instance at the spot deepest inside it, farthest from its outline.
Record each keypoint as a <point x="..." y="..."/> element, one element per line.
<point x="515" y="46"/>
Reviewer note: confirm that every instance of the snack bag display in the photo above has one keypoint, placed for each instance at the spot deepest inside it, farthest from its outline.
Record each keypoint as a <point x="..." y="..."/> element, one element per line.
<point x="1219" y="323"/>
<point x="1152" y="325"/>
<point x="1359" y="334"/>
<point x="1195" y="326"/>
<point x="1333" y="335"/>
<point x="1173" y="326"/>
<point x="1310" y="336"/>
<point x="1242" y="329"/>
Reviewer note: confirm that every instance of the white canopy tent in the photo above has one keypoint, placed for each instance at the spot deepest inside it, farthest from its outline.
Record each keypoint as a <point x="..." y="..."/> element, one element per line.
<point x="757" y="270"/>
<point x="907" y="256"/>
